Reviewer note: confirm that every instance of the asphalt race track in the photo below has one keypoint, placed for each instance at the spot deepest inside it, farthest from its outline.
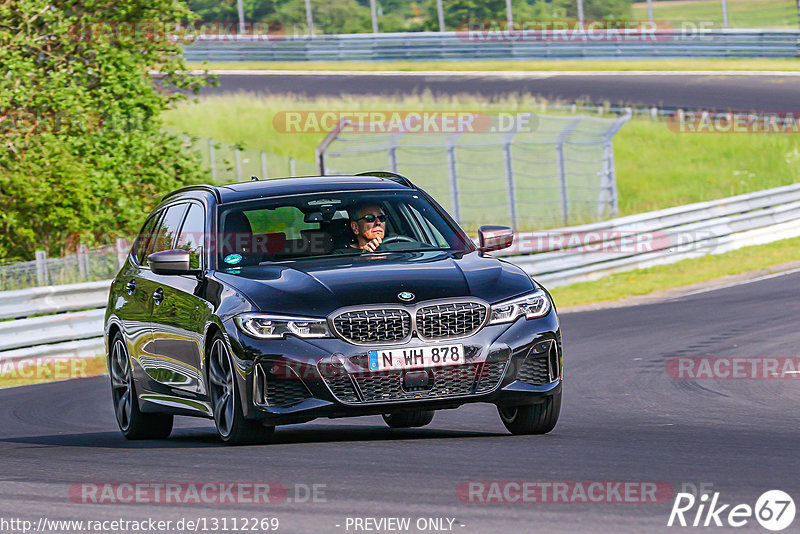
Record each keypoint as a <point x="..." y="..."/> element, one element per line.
<point x="703" y="91"/>
<point x="624" y="419"/>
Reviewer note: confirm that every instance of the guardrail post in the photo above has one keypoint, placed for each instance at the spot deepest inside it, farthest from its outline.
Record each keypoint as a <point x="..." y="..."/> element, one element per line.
<point x="319" y="152"/>
<point x="122" y="251"/>
<point x="213" y="160"/>
<point x="238" y="157"/>
<point x="291" y="167"/>
<point x="562" y="182"/>
<point x="512" y="200"/>
<point x="562" y="165"/>
<point x="41" y="267"/>
<point x="83" y="263"/>
<point x="452" y="174"/>
<point x="393" y="158"/>
<point x="608" y="159"/>
<point x="263" y="164"/>
<point x="607" y="190"/>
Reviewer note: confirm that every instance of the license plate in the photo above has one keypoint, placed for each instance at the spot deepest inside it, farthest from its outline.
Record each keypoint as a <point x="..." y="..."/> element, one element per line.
<point x="415" y="357"/>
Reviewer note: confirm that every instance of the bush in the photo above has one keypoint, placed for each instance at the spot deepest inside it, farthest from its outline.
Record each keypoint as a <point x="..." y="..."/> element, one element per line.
<point x="84" y="156"/>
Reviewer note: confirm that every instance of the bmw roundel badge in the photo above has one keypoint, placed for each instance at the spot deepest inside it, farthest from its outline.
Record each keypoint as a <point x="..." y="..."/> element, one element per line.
<point x="406" y="296"/>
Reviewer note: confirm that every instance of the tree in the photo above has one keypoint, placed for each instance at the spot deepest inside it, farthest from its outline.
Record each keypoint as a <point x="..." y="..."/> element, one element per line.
<point x="330" y="16"/>
<point x="83" y="151"/>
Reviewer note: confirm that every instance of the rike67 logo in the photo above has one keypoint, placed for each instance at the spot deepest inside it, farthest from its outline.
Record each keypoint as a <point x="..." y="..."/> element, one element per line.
<point x="774" y="510"/>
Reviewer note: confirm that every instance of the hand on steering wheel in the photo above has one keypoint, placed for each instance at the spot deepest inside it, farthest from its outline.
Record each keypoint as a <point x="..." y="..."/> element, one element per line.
<point x="395" y="239"/>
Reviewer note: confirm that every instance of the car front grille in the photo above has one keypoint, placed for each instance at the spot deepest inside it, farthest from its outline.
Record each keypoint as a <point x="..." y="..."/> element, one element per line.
<point x="453" y="380"/>
<point x="534" y="370"/>
<point x="444" y="382"/>
<point x="491" y="373"/>
<point x="447" y="320"/>
<point x="373" y="326"/>
<point x="456" y="319"/>
<point x="342" y="388"/>
<point x="281" y="390"/>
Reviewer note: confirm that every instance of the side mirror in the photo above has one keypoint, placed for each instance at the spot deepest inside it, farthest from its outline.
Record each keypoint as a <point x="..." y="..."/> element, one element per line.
<point x="495" y="237"/>
<point x="170" y="262"/>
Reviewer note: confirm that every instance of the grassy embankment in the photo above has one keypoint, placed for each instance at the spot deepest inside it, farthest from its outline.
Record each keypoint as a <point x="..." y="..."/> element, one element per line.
<point x="656" y="168"/>
<point x="773" y="14"/>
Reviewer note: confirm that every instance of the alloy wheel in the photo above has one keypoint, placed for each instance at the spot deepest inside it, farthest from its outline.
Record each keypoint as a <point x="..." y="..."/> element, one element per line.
<point x="220" y="375"/>
<point x="121" y="384"/>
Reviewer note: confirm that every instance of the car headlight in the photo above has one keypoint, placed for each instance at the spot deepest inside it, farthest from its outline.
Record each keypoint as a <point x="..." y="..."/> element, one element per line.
<point x="532" y="305"/>
<point x="267" y="326"/>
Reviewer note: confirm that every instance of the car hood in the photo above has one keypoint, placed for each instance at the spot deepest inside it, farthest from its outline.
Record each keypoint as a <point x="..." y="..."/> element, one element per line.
<point x="317" y="287"/>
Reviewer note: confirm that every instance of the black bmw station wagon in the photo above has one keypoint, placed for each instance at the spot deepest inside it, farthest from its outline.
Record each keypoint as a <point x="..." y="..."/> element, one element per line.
<point x="272" y="302"/>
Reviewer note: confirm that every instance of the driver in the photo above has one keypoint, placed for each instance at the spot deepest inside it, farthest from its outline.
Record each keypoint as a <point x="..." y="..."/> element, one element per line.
<point x="368" y="223"/>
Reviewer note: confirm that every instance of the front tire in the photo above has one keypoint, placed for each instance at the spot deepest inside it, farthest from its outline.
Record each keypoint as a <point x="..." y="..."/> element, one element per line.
<point x="232" y="426"/>
<point x="533" y="419"/>
<point x="134" y="424"/>
<point x="413" y="419"/>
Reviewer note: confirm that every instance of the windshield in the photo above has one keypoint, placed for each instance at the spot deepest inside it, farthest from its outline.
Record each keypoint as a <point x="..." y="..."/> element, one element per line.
<point x="332" y="224"/>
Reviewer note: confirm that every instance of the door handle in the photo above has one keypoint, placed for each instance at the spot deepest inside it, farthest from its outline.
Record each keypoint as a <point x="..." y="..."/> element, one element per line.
<point x="158" y="296"/>
<point x="131" y="287"/>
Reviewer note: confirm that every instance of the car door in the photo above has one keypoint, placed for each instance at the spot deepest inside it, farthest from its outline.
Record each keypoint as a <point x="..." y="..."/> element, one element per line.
<point x="134" y="304"/>
<point x="179" y="313"/>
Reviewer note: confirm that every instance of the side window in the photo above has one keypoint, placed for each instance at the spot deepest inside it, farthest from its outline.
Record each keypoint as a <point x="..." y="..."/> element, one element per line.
<point x="168" y="231"/>
<point x="286" y="219"/>
<point x="145" y="238"/>
<point x="434" y="232"/>
<point x="191" y="236"/>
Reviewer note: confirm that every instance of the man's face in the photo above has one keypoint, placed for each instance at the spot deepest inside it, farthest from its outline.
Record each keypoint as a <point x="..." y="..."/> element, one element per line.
<point x="369" y="230"/>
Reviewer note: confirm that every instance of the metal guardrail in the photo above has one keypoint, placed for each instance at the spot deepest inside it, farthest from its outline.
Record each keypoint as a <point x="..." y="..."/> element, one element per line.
<point x="589" y="252"/>
<point x="40" y="329"/>
<point x="477" y="45"/>
<point x="53" y="299"/>
<point x="25" y="333"/>
<point x="554" y="257"/>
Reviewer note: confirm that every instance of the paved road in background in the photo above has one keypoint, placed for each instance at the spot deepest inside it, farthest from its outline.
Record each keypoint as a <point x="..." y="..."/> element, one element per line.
<point x="624" y="419"/>
<point x="706" y="91"/>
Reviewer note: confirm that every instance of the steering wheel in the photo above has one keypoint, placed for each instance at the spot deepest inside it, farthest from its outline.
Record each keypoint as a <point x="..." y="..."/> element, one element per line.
<point x="396" y="238"/>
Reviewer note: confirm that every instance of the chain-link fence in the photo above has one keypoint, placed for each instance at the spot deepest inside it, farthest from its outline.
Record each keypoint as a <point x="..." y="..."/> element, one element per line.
<point x="544" y="171"/>
<point x="86" y="265"/>
<point x="231" y="163"/>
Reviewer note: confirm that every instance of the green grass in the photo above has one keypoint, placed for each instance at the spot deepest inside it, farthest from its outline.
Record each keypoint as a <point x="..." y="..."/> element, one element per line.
<point x="517" y="65"/>
<point x="741" y="13"/>
<point x="21" y="374"/>
<point x="656" y="167"/>
<point x="683" y="273"/>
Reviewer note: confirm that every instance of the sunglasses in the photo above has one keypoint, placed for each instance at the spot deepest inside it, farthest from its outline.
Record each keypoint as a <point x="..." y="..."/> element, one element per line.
<point x="370" y="218"/>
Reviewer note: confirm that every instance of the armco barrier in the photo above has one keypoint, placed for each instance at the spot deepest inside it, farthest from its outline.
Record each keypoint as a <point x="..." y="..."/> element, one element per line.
<point x="659" y="237"/>
<point x="53" y="299"/>
<point x="670" y="235"/>
<point x="464" y="45"/>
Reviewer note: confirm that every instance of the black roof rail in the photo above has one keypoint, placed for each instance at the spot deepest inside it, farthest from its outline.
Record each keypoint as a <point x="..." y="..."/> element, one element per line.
<point x="399" y="178"/>
<point x="199" y="187"/>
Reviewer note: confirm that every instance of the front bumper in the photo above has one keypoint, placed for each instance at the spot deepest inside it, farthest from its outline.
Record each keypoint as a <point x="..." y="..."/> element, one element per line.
<point x="296" y="380"/>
